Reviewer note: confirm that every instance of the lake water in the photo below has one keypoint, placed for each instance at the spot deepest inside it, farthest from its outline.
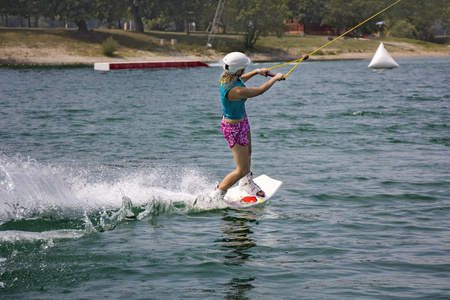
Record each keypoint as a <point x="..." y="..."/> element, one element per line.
<point x="99" y="173"/>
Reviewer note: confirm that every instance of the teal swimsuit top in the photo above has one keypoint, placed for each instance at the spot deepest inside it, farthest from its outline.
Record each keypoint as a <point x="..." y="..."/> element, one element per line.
<point x="233" y="110"/>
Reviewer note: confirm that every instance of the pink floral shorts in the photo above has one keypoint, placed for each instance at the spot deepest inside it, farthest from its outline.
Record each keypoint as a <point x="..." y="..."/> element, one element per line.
<point x="236" y="133"/>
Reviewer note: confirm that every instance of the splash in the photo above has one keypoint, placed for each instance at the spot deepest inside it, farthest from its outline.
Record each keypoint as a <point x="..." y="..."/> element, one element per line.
<point x="29" y="190"/>
<point x="102" y="196"/>
<point x="218" y="63"/>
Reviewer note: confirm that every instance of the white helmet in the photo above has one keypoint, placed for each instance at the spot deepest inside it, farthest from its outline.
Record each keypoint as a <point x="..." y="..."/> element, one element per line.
<point x="234" y="62"/>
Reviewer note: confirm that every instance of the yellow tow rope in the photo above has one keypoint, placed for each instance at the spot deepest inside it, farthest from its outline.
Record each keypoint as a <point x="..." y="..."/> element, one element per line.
<point x="298" y="61"/>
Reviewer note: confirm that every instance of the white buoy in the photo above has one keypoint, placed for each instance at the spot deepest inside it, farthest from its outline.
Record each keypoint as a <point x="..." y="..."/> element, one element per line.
<point x="382" y="59"/>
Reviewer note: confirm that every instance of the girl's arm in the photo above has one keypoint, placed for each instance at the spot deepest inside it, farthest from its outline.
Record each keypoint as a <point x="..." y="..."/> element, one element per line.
<point x="249" y="75"/>
<point x="239" y="92"/>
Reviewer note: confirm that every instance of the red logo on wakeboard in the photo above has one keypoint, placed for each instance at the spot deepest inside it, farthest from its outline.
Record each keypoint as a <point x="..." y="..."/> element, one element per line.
<point x="249" y="199"/>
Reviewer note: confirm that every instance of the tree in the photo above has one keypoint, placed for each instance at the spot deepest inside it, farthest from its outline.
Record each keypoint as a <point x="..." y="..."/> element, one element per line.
<point x="255" y="18"/>
<point x="136" y="12"/>
<point x="446" y="18"/>
<point x="410" y="18"/>
<point x="183" y="12"/>
<point x="186" y="12"/>
<point x="307" y="11"/>
<point x="420" y="16"/>
<point x="111" y="10"/>
<point x="342" y="14"/>
<point x="147" y="9"/>
<point x="77" y="11"/>
<point x="14" y="8"/>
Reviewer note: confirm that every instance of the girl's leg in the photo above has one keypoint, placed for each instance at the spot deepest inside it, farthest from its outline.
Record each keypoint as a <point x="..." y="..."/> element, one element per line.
<point x="261" y="192"/>
<point x="249" y="136"/>
<point x="242" y="159"/>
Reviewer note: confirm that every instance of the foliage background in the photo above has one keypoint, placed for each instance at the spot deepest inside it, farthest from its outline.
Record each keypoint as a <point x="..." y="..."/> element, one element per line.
<point x="418" y="19"/>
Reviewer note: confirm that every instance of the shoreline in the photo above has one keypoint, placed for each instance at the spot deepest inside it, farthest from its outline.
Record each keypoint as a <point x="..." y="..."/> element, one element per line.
<point x="62" y="47"/>
<point x="59" y="58"/>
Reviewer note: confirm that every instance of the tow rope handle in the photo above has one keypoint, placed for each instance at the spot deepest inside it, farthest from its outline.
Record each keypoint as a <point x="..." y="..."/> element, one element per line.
<point x="273" y="75"/>
<point x="305" y="57"/>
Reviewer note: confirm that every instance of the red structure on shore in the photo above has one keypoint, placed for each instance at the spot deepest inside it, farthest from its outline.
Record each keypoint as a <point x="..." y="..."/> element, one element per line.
<point x="294" y="26"/>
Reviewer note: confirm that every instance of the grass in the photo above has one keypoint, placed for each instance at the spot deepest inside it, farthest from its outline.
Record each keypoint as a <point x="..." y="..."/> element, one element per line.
<point x="133" y="44"/>
<point x="81" y="44"/>
<point x="304" y="45"/>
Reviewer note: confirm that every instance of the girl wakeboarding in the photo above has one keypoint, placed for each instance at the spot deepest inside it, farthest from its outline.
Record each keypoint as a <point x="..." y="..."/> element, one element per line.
<point x="235" y="126"/>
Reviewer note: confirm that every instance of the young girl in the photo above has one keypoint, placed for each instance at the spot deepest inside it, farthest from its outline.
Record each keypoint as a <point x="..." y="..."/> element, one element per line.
<point x="235" y="126"/>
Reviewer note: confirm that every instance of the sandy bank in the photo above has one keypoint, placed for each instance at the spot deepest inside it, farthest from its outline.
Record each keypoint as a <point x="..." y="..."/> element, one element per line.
<point x="23" y="55"/>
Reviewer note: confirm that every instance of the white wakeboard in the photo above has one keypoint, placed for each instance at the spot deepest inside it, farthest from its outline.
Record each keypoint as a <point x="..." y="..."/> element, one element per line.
<point x="237" y="198"/>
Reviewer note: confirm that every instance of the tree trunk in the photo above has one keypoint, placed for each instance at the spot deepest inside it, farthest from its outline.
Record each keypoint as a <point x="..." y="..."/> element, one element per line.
<point x="179" y="26"/>
<point x="306" y="25"/>
<point x="82" y="26"/>
<point x="137" y="18"/>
